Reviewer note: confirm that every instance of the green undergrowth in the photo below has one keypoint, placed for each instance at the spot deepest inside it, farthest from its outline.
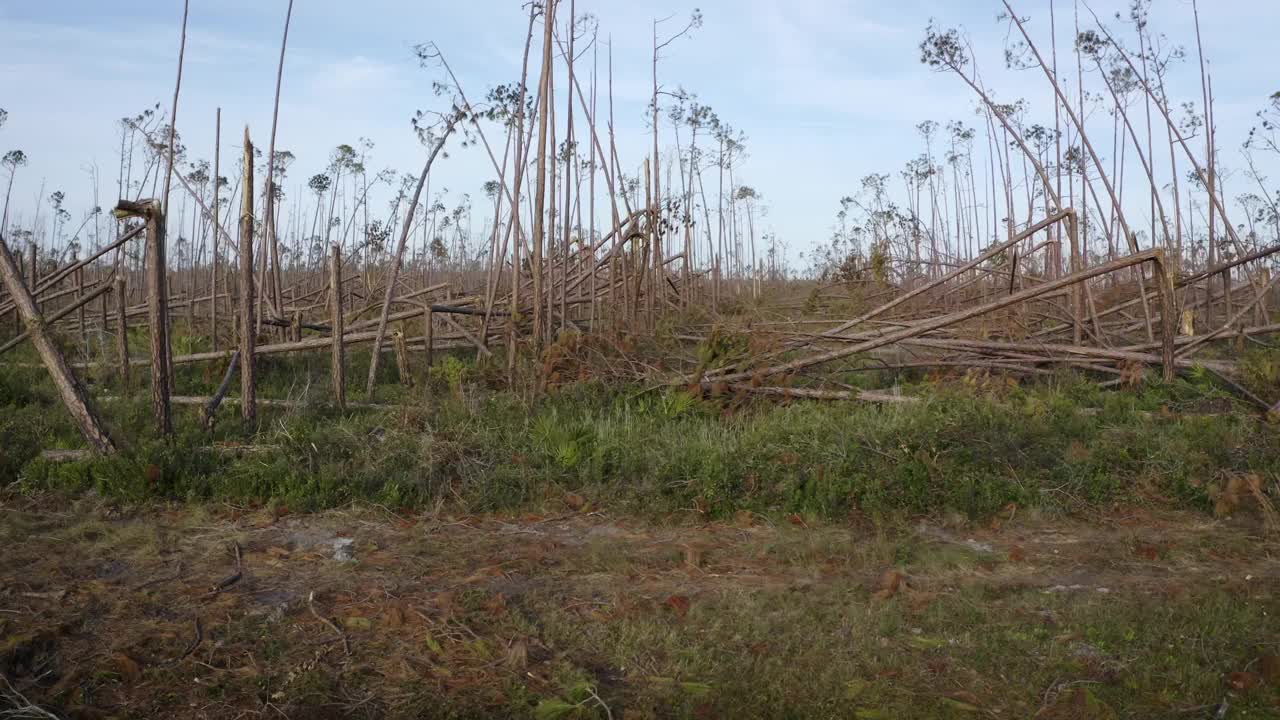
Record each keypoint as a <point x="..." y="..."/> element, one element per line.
<point x="458" y="438"/>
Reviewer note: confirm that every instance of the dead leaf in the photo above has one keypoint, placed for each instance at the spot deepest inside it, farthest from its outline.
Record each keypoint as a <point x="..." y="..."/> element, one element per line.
<point x="128" y="667"/>
<point x="574" y="501"/>
<point x="1017" y="554"/>
<point x="1244" y="680"/>
<point x="890" y="582"/>
<point x="679" y="604"/>
<point x="963" y="700"/>
<point x="278" y="552"/>
<point x="795" y="519"/>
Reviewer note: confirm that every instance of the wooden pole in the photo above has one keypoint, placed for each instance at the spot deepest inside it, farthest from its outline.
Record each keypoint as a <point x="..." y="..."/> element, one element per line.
<point x="248" y="389"/>
<point x="73" y="393"/>
<point x="335" y="298"/>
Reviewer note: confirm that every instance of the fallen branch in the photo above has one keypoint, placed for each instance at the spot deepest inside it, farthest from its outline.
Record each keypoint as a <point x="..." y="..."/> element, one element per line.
<point x="814" y="394"/>
<point x="233" y="578"/>
<point x="195" y="643"/>
<point x="311" y="605"/>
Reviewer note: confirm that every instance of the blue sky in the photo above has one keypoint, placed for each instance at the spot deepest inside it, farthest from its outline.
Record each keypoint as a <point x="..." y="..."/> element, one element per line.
<point x="827" y="91"/>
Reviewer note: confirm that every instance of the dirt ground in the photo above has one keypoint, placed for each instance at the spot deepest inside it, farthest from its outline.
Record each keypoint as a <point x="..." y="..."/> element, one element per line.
<point x="225" y="612"/>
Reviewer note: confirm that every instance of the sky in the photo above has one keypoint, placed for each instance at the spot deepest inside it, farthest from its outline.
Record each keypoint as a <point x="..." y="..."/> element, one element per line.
<point x="827" y="91"/>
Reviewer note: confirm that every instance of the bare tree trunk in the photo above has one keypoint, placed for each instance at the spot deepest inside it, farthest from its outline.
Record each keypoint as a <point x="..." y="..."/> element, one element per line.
<point x="399" y="258"/>
<point x="73" y="393"/>
<point x="571" y="159"/>
<point x="224" y="387"/>
<point x="248" y="330"/>
<point x="402" y="358"/>
<point x="269" y="224"/>
<point x="122" y="329"/>
<point x="540" y="194"/>
<point x="213" y="273"/>
<point x="84" y="339"/>
<point x="338" y="361"/>
<point x="157" y="307"/>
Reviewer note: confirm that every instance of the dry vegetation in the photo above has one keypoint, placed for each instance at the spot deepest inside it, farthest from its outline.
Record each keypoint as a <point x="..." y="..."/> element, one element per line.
<point x="222" y="611"/>
<point x="611" y="456"/>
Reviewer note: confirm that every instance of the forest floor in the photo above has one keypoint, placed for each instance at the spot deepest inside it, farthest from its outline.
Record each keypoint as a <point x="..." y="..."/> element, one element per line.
<point x="219" y="611"/>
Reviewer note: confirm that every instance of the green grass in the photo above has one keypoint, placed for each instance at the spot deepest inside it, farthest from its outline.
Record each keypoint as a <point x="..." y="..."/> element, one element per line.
<point x="459" y="437"/>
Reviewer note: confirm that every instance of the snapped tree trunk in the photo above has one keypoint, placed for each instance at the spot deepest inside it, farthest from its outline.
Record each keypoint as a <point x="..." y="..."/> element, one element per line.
<point x="248" y="387"/>
<point x="157" y="307"/>
<point x="399" y="258"/>
<point x="73" y="393"/>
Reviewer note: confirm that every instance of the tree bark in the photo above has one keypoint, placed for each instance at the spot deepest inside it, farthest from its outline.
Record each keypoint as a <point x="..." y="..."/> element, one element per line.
<point x="248" y="387"/>
<point x="157" y="307"/>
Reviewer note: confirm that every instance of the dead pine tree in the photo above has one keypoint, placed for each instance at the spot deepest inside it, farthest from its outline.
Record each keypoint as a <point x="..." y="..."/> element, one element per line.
<point x="540" y="193"/>
<point x="157" y="307"/>
<point x="213" y="270"/>
<point x="248" y="387"/>
<point x="451" y="120"/>
<point x="339" y="355"/>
